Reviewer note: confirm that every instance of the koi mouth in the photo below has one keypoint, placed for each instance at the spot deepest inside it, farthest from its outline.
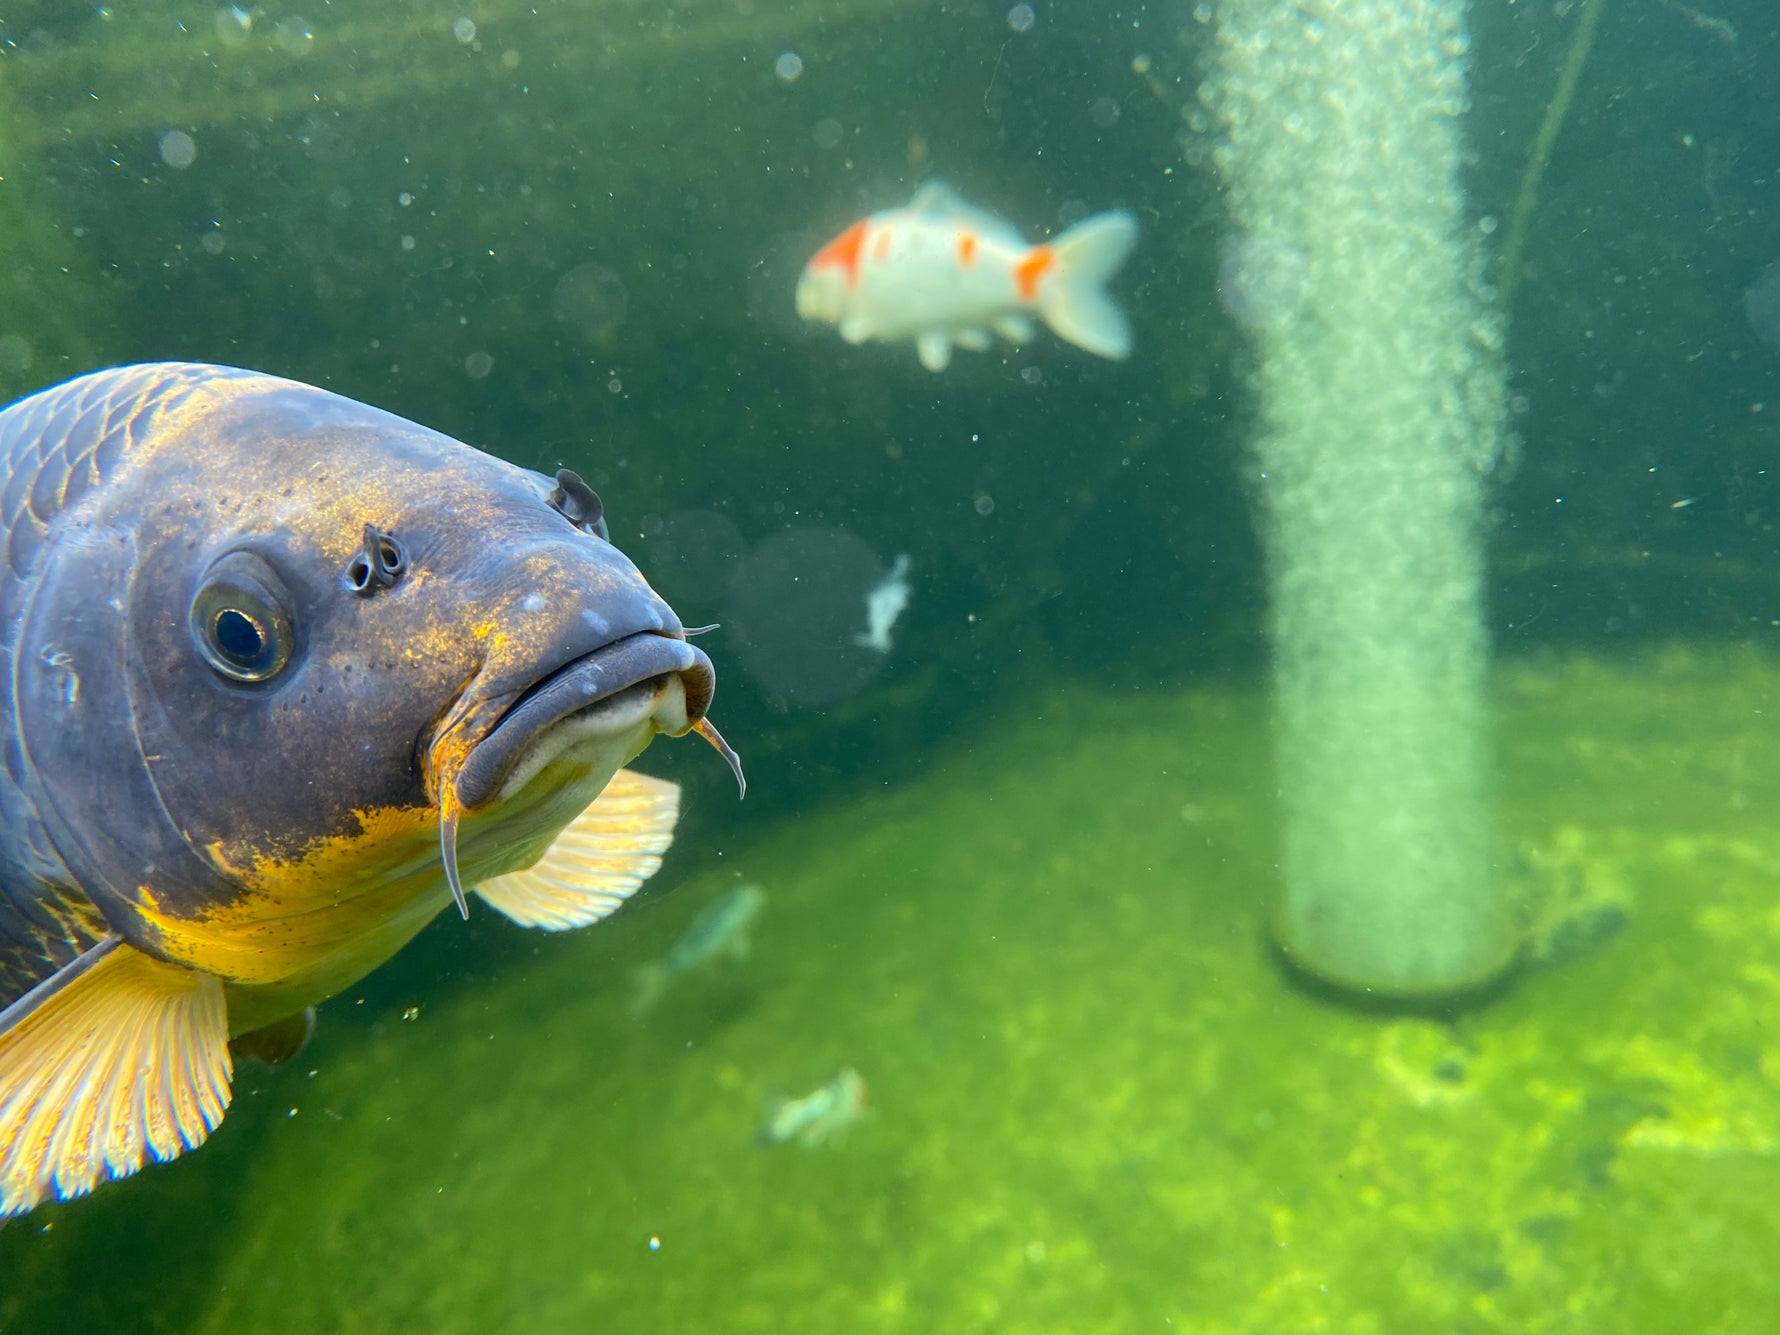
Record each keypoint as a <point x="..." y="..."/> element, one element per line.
<point x="616" y="686"/>
<point x="612" y="689"/>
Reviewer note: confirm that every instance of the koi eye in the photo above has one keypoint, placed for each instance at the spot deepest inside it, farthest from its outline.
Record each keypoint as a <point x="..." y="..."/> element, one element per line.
<point x="579" y="503"/>
<point x="239" y="620"/>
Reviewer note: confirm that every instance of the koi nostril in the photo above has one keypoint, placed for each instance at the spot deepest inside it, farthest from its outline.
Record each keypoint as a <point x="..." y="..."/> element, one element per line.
<point x="578" y="502"/>
<point x="378" y="565"/>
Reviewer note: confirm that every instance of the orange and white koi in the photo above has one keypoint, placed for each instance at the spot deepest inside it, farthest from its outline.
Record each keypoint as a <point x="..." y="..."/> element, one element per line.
<point x="948" y="274"/>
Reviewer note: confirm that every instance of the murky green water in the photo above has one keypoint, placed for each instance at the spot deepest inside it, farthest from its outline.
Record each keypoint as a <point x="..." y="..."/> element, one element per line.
<point x="1097" y="1105"/>
<point x="1020" y="869"/>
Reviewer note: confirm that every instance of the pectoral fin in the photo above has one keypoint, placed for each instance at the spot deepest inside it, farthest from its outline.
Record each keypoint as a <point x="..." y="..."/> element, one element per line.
<point x="935" y="348"/>
<point x="116" y="1058"/>
<point x="598" y="860"/>
<point x="1014" y="328"/>
<point x="275" y="1043"/>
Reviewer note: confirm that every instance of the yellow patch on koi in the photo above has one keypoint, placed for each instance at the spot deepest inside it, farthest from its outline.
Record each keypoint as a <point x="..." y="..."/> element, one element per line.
<point x="295" y="915"/>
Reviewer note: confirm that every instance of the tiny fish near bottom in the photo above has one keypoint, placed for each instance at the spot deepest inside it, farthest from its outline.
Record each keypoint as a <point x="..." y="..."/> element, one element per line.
<point x="723" y="931"/>
<point x="819" y="1116"/>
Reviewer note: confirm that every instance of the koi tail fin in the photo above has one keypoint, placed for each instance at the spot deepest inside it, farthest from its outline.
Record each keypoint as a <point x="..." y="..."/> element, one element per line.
<point x="1075" y="303"/>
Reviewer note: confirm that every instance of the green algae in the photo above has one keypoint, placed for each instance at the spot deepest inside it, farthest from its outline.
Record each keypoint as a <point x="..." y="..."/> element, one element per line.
<point x="1099" y="1105"/>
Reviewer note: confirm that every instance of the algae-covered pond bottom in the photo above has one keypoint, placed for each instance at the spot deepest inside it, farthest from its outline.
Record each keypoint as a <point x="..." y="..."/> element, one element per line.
<point x="1098" y="1104"/>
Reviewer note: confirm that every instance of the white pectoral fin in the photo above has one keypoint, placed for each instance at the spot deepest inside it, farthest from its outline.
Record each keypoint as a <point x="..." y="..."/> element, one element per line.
<point x="118" y="1058"/>
<point x="598" y="860"/>
<point x="1073" y="301"/>
<point x="935" y="347"/>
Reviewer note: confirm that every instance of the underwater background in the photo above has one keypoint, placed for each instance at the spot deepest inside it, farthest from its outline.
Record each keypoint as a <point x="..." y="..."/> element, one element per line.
<point x="1018" y="870"/>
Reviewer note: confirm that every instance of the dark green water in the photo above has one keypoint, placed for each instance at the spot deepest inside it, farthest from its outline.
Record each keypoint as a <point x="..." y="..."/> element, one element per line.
<point x="1018" y="872"/>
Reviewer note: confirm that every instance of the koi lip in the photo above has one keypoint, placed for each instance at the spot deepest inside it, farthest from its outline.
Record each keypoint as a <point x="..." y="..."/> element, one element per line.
<point x="622" y="680"/>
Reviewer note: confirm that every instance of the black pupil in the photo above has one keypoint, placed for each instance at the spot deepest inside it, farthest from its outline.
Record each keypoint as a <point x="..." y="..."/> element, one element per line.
<point x="239" y="636"/>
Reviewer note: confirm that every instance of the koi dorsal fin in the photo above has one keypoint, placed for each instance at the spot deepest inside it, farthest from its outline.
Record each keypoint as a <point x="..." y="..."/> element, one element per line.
<point x="597" y="862"/>
<point x="116" y="1059"/>
<point x="936" y="199"/>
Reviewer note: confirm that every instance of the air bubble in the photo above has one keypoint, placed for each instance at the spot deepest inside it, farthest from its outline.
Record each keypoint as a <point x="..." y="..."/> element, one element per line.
<point x="1263" y="281"/>
<point x="590" y="299"/>
<point x="15" y="354"/>
<point x="178" y="149"/>
<point x="1761" y="306"/>
<point x="233" y="25"/>
<point x="294" y="37"/>
<point x="795" y="610"/>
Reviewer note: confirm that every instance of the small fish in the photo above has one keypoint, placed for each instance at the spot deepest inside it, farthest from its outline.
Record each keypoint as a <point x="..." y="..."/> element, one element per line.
<point x="283" y="676"/>
<point x="1705" y="22"/>
<point x="946" y="273"/>
<point x="722" y="931"/>
<point x="819" y="1116"/>
<point x="883" y="605"/>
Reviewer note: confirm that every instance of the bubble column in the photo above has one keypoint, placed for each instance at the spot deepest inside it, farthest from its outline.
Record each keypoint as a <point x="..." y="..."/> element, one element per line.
<point x="1379" y="388"/>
